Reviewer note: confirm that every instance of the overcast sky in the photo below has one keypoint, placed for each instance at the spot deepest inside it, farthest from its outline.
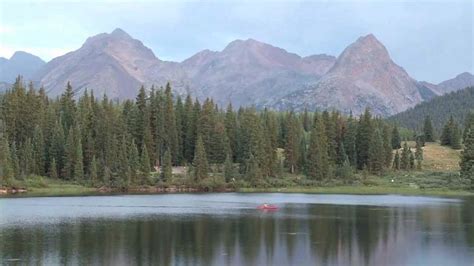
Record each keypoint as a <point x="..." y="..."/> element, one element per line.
<point x="432" y="40"/>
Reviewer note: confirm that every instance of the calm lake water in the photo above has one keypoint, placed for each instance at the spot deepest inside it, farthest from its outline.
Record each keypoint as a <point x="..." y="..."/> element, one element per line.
<point x="227" y="229"/>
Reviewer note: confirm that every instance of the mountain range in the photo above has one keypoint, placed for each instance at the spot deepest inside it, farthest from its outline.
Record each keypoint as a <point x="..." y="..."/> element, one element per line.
<point x="245" y="72"/>
<point x="20" y="63"/>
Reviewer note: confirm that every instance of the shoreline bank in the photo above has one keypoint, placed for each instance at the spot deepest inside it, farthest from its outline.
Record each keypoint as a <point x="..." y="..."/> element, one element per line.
<point x="78" y="190"/>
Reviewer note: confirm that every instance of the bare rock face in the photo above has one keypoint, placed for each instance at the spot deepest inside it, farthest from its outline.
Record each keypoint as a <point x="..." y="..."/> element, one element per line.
<point x="363" y="76"/>
<point x="248" y="72"/>
<point x="114" y="64"/>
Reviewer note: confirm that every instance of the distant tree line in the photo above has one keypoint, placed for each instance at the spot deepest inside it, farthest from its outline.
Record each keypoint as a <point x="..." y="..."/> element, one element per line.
<point x="440" y="109"/>
<point x="118" y="144"/>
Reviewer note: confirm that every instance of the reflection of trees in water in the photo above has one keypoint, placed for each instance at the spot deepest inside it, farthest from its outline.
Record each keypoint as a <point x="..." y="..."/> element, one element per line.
<point x="324" y="234"/>
<point x="468" y="221"/>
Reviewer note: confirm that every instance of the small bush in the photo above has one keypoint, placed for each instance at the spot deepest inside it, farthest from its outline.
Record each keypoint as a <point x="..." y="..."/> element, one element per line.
<point x="212" y="183"/>
<point x="36" y="181"/>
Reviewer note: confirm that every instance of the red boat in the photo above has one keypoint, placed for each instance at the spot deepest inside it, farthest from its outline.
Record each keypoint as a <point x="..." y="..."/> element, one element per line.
<point x="267" y="207"/>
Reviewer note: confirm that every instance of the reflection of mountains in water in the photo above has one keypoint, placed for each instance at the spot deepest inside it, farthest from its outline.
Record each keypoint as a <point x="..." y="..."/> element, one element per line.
<point x="298" y="234"/>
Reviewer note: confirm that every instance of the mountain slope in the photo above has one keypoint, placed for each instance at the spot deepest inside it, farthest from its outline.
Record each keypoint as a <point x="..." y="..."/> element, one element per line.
<point x="461" y="81"/>
<point x="250" y="72"/>
<point x="440" y="108"/>
<point x="21" y="63"/>
<point x="363" y="75"/>
<point x="115" y="64"/>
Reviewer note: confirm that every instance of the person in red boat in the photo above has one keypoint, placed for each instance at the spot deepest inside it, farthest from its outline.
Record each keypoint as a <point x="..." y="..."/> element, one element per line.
<point x="267" y="206"/>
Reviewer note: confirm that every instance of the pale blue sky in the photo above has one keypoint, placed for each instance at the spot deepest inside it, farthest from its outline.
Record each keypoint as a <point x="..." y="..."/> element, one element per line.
<point x="432" y="40"/>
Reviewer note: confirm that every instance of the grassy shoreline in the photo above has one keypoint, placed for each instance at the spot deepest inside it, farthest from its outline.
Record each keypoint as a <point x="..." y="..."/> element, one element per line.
<point x="363" y="190"/>
<point x="79" y="190"/>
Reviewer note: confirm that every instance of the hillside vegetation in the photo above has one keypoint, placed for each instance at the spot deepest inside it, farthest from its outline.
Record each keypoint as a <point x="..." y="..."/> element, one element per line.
<point x="439" y="109"/>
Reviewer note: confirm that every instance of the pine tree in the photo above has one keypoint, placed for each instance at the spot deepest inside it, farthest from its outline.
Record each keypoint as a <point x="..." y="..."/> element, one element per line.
<point x="68" y="107"/>
<point x="179" y="114"/>
<point x="14" y="160"/>
<point x="39" y="152"/>
<point x="306" y="120"/>
<point x="166" y="169"/>
<point x="467" y="158"/>
<point x="405" y="157"/>
<point x="428" y="131"/>
<point x="376" y="160"/>
<point x="412" y="161"/>
<point x="387" y="146"/>
<point x="228" y="168"/>
<point x="53" y="169"/>
<point x="468" y="123"/>
<point x="419" y="153"/>
<point x="171" y="133"/>
<point x="69" y="157"/>
<point x="107" y="178"/>
<point x="200" y="161"/>
<point x="27" y="162"/>
<point x="191" y="130"/>
<point x="451" y="135"/>
<point x="364" y="136"/>
<point x="350" y="140"/>
<point x="396" y="161"/>
<point x="318" y="157"/>
<point x="78" y="162"/>
<point x="93" y="175"/>
<point x="6" y="167"/>
<point x="144" y="165"/>
<point x="252" y="172"/>
<point x="134" y="162"/>
<point x="57" y="146"/>
<point x="396" y="140"/>
<point x="231" y="130"/>
<point x="456" y="138"/>
<point x="292" y="143"/>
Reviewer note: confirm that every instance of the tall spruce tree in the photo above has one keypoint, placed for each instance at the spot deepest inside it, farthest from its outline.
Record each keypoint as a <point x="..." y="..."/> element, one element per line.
<point x="318" y="157"/>
<point x="428" y="131"/>
<point x="467" y="158"/>
<point x="171" y="133"/>
<point x="6" y="166"/>
<point x="419" y="153"/>
<point x="93" y="174"/>
<point x="228" y="168"/>
<point x="387" y="146"/>
<point x="350" y="140"/>
<point x="405" y="157"/>
<point x="166" y="169"/>
<point x="292" y="143"/>
<point x="451" y="135"/>
<point x="200" y="161"/>
<point x="78" y="161"/>
<point x="364" y="137"/>
<point x="468" y="123"/>
<point x="396" y="140"/>
<point x="376" y="160"/>
<point x="412" y="160"/>
<point x="53" y="169"/>
<point x="144" y="165"/>
<point x="396" y="161"/>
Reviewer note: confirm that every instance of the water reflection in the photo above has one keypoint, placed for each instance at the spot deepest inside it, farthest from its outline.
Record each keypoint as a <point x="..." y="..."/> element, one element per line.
<point x="298" y="234"/>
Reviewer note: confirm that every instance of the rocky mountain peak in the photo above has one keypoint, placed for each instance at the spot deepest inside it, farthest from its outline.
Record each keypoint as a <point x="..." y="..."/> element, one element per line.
<point x="461" y="81"/>
<point x="119" y="33"/>
<point x="21" y="63"/>
<point x="366" y="50"/>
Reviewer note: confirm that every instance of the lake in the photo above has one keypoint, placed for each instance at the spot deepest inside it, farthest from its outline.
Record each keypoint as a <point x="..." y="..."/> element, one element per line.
<point x="227" y="229"/>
